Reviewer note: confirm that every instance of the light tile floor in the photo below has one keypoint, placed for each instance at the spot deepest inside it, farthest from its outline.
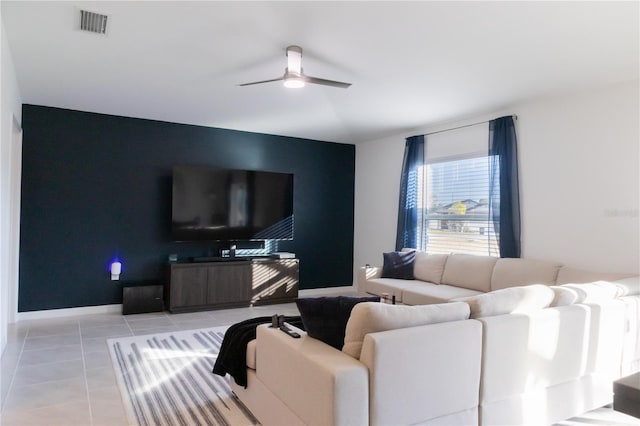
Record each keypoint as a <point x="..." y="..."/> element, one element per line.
<point x="58" y="371"/>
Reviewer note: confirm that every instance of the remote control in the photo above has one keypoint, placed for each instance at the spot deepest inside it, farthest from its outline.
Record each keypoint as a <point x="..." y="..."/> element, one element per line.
<point x="289" y="331"/>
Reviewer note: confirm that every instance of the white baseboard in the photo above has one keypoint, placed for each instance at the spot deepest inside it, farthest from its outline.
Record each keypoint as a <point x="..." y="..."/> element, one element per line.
<point x="68" y="312"/>
<point x="108" y="309"/>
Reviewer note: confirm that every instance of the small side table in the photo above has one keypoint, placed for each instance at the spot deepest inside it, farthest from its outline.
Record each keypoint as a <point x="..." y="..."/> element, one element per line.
<point x="626" y="395"/>
<point x="140" y="297"/>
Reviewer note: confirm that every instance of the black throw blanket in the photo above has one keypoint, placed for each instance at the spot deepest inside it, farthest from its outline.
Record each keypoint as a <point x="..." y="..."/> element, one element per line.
<point x="232" y="358"/>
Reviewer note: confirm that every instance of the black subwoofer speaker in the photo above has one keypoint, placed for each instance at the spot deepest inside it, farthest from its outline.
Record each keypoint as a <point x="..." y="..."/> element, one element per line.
<point x="139" y="298"/>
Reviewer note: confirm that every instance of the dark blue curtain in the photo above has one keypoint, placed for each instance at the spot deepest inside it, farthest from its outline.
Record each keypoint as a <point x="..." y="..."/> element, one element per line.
<point x="408" y="205"/>
<point x="504" y="209"/>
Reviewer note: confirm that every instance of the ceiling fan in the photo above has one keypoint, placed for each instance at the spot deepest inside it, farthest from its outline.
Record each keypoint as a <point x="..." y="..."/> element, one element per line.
<point x="294" y="77"/>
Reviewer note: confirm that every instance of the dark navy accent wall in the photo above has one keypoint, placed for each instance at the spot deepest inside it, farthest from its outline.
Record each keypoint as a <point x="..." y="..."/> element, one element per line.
<point x="98" y="186"/>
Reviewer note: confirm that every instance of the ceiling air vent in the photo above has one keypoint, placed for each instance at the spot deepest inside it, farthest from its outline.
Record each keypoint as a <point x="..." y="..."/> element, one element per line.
<point x="93" y="22"/>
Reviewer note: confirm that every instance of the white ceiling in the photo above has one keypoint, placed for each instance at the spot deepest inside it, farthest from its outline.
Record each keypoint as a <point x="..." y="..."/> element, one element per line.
<point x="412" y="64"/>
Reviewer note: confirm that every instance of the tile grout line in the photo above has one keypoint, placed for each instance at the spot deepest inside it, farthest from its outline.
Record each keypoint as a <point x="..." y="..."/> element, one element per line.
<point x="86" y="380"/>
<point x="114" y="370"/>
<point x="108" y="354"/>
<point x="15" y="370"/>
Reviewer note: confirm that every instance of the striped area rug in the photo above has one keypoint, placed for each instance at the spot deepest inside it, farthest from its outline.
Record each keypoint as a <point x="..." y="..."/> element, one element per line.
<point x="166" y="379"/>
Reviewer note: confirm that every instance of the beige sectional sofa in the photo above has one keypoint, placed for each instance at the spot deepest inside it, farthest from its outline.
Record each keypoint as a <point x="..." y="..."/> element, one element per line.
<point x="514" y="348"/>
<point x="440" y="277"/>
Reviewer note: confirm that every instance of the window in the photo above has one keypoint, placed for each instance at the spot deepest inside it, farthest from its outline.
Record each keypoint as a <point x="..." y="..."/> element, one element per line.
<point x="459" y="191"/>
<point x="454" y="206"/>
<point x="453" y="194"/>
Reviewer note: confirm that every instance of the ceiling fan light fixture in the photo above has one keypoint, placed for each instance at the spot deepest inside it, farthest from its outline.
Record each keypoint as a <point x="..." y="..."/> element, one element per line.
<point x="293" y="80"/>
<point x="293" y="83"/>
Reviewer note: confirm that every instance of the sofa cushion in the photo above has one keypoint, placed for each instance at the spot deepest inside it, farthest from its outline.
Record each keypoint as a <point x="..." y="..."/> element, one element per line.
<point x="374" y="317"/>
<point x="325" y="318"/>
<point x="398" y="264"/>
<point x="528" y="352"/>
<point x="567" y="275"/>
<point x="427" y="293"/>
<point x="510" y="300"/>
<point x="628" y="286"/>
<point x="429" y="267"/>
<point x="519" y="272"/>
<point x="468" y="271"/>
<point x="563" y="296"/>
<point x="597" y="291"/>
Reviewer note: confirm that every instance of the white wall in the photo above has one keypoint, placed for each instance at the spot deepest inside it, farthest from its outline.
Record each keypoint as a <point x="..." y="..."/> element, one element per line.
<point x="10" y="117"/>
<point x="377" y="185"/>
<point x="579" y="181"/>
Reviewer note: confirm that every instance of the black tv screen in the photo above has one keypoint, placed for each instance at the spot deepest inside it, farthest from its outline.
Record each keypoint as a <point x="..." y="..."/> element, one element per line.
<point x="215" y="204"/>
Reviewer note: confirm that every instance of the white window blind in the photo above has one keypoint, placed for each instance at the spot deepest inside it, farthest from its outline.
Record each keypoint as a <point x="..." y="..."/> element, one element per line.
<point x="455" y="196"/>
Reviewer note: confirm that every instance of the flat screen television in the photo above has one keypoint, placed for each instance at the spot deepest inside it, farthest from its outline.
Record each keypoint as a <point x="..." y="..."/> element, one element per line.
<point x="216" y="204"/>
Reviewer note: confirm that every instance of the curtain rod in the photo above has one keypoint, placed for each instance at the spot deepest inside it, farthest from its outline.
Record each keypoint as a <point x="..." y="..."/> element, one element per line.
<point x="515" y="117"/>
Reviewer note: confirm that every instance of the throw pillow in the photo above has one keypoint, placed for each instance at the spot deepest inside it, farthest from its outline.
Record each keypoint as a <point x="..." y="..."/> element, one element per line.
<point x="595" y="292"/>
<point x="510" y="300"/>
<point x="628" y="286"/>
<point x="398" y="264"/>
<point x="325" y="318"/>
<point x="374" y="317"/>
<point x="563" y="296"/>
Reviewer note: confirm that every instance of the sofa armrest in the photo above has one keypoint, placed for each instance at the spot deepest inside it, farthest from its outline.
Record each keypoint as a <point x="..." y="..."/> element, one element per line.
<point x="421" y="373"/>
<point x="367" y="273"/>
<point x="317" y="382"/>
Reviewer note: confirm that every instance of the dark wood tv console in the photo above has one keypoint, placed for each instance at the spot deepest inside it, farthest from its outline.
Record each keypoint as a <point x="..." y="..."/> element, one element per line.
<point x="218" y="285"/>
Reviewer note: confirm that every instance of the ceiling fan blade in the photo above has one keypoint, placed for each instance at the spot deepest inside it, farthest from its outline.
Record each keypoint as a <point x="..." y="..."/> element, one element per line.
<point x="263" y="81"/>
<point x="294" y="59"/>
<point x="324" y="82"/>
<point x="293" y="75"/>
